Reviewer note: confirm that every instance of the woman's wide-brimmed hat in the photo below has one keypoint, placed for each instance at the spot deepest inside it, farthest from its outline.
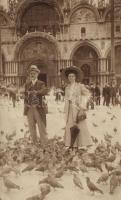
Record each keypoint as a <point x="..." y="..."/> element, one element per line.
<point x="34" y="68"/>
<point x="74" y="70"/>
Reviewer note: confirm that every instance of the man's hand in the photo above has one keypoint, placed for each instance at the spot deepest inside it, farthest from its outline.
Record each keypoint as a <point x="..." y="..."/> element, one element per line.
<point x="34" y="92"/>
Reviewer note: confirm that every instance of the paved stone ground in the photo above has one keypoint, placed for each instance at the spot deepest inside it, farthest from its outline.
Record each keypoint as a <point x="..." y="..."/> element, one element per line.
<point x="100" y="121"/>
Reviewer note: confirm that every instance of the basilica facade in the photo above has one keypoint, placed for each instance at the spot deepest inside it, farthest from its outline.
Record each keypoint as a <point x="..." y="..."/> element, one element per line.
<point x="55" y="34"/>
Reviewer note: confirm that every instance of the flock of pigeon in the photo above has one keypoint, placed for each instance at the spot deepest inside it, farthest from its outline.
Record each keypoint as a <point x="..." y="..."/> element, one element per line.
<point x="52" y="160"/>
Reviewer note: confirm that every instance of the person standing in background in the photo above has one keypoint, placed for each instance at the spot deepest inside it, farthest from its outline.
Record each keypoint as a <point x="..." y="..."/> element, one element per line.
<point x="113" y="94"/>
<point x="97" y="94"/>
<point x="106" y="95"/>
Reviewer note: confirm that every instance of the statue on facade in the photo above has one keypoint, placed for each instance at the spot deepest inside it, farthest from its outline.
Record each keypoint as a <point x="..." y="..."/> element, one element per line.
<point x="12" y="4"/>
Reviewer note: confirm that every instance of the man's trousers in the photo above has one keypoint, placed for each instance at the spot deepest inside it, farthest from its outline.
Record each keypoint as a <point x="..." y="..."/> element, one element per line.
<point x="34" y="118"/>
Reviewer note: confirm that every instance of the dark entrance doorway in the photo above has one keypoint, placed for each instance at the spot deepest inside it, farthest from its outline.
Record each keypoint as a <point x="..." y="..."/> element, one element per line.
<point x="43" y="77"/>
<point x="86" y="72"/>
<point x="86" y="58"/>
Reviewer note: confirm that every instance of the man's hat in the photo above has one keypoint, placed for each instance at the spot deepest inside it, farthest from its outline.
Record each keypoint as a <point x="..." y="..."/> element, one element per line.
<point x="73" y="69"/>
<point x="34" y="68"/>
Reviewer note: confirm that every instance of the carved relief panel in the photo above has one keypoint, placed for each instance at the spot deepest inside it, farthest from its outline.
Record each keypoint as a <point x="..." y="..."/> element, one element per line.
<point x="38" y="49"/>
<point x="117" y="14"/>
<point x="83" y="15"/>
<point x="3" y="21"/>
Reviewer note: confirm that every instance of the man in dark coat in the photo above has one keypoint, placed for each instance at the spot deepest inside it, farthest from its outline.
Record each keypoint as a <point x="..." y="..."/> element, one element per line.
<point x="106" y="94"/>
<point x="113" y="94"/>
<point x="97" y="94"/>
<point x="33" y="105"/>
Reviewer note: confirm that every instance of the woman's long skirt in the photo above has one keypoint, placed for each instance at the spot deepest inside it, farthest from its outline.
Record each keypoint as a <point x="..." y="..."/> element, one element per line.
<point x="83" y="138"/>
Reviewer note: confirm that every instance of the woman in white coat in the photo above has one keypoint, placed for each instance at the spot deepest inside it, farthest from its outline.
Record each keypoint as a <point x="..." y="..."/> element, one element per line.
<point x="76" y="97"/>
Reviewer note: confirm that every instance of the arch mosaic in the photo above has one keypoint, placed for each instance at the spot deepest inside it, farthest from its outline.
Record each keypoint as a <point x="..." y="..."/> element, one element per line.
<point x="117" y="14"/>
<point x="90" y="44"/>
<point x="4" y="20"/>
<point x="24" y="5"/>
<point x="84" y="13"/>
<point x="41" y="39"/>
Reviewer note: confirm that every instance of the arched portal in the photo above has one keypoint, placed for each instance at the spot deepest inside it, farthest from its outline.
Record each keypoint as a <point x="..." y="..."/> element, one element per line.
<point x="38" y="16"/>
<point x="41" y="50"/>
<point x="86" y="58"/>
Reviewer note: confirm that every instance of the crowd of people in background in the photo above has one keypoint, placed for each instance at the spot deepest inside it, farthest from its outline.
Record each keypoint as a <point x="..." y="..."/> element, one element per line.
<point x="108" y="95"/>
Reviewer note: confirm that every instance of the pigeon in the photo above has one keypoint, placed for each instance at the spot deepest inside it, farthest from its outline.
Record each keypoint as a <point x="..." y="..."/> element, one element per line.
<point x="103" y="178"/>
<point x="53" y="183"/>
<point x="7" y="170"/>
<point x="45" y="190"/>
<point x="95" y="125"/>
<point x="111" y="158"/>
<point x="114" y="181"/>
<point x="9" y="184"/>
<point x="94" y="139"/>
<point x="83" y="168"/>
<point x="59" y="173"/>
<point x="77" y="181"/>
<point x="92" y="187"/>
<point x="36" y="197"/>
<point x="115" y="130"/>
<point x="30" y="167"/>
<point x="2" y="132"/>
<point x="109" y="167"/>
<point x="45" y="180"/>
<point x="71" y="168"/>
<point x="109" y="113"/>
<point x="116" y="172"/>
<point x="97" y="165"/>
<point x="119" y="180"/>
<point x="41" y="169"/>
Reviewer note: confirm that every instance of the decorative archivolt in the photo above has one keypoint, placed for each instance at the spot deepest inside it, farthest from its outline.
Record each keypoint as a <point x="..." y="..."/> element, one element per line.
<point x="41" y="39"/>
<point x="24" y="5"/>
<point x="4" y="21"/>
<point x="84" y="14"/>
<point x="117" y="13"/>
<point x="86" y="44"/>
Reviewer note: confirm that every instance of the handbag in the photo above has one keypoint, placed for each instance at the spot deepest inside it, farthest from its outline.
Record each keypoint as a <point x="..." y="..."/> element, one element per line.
<point x="81" y="115"/>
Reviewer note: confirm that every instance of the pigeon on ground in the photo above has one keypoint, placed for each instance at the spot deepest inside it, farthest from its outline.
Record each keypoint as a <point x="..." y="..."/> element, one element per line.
<point x="114" y="181"/>
<point x="45" y="190"/>
<point x="95" y="125"/>
<point x="77" y="181"/>
<point x="53" y="183"/>
<point x="92" y="187"/>
<point x="59" y="173"/>
<point x="109" y="167"/>
<point x="29" y="167"/>
<point x="36" y="197"/>
<point x="103" y="178"/>
<point x="9" y="184"/>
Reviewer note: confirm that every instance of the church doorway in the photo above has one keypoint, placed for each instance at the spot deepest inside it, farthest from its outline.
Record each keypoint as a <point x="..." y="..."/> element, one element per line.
<point x="86" y="58"/>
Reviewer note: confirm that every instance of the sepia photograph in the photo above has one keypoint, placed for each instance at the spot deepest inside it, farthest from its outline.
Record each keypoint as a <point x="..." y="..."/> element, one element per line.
<point x="60" y="99"/>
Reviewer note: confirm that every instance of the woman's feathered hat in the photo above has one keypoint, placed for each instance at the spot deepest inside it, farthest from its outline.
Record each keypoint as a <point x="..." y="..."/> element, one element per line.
<point x="73" y="69"/>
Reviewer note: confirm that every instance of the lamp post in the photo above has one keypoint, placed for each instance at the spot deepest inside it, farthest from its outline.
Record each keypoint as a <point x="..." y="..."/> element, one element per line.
<point x="1" y="67"/>
<point x="112" y="40"/>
